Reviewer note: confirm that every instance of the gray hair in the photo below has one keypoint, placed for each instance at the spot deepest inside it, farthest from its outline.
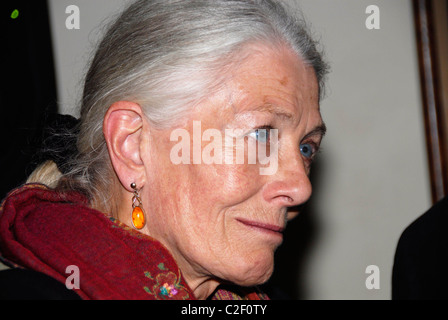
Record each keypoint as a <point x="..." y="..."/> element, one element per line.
<point x="167" y="55"/>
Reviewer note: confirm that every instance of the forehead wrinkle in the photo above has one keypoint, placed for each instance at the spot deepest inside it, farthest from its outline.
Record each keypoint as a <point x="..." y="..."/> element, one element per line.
<point x="275" y="110"/>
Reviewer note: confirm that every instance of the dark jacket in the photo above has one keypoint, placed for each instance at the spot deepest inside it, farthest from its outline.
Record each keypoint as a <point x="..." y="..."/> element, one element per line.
<point x="421" y="258"/>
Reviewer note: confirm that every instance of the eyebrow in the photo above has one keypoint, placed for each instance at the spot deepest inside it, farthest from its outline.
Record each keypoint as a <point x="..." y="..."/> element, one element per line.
<point x="319" y="130"/>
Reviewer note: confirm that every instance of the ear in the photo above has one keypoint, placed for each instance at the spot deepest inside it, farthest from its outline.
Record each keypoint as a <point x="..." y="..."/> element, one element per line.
<point x="123" y="129"/>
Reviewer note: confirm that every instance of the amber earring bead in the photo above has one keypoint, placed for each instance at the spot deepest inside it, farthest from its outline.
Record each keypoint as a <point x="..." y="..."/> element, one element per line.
<point x="138" y="215"/>
<point x="138" y="218"/>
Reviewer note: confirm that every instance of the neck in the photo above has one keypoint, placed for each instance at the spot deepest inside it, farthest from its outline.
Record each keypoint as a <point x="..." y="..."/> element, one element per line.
<point x="202" y="288"/>
<point x="201" y="283"/>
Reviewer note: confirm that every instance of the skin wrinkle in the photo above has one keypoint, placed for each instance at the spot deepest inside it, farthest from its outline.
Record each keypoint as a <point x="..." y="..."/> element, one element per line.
<point x="195" y="209"/>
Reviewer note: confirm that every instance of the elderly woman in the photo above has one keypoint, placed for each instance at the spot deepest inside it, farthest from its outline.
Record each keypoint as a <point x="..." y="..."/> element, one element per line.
<point x="155" y="204"/>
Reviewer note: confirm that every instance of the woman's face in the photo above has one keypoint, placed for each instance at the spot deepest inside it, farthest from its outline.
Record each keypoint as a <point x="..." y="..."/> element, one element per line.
<point x="225" y="219"/>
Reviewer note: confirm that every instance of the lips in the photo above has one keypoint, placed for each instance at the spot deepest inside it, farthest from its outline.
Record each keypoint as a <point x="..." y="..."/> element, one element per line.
<point x="262" y="226"/>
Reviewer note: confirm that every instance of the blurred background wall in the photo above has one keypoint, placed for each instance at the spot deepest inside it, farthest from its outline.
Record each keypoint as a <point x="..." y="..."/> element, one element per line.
<point x="371" y="178"/>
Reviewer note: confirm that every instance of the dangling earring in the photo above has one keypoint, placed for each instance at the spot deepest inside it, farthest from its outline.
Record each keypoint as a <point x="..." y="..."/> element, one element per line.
<point x="137" y="216"/>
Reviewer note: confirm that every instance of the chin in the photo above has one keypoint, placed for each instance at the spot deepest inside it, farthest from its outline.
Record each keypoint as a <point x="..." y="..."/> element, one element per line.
<point x="252" y="270"/>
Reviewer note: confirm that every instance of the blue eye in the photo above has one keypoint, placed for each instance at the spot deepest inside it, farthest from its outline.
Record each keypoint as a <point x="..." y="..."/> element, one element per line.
<point x="262" y="135"/>
<point x="306" y="150"/>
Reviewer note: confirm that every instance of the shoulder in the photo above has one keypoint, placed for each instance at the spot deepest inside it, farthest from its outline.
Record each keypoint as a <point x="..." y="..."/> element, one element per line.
<point x="421" y="257"/>
<point x="21" y="284"/>
<point x="430" y="228"/>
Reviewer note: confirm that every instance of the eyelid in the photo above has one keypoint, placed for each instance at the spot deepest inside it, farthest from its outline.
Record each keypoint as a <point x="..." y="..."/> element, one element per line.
<point x="266" y="127"/>
<point x="314" y="138"/>
<point x="263" y="127"/>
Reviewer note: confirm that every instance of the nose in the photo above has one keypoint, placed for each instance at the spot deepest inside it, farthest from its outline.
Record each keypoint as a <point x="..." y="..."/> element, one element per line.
<point x="290" y="186"/>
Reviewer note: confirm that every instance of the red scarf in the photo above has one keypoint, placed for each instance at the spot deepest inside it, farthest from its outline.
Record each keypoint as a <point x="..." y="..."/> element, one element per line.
<point x="47" y="231"/>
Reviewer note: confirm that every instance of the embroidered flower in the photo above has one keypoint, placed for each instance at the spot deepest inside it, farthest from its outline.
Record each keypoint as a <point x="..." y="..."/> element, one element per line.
<point x="168" y="290"/>
<point x="167" y="287"/>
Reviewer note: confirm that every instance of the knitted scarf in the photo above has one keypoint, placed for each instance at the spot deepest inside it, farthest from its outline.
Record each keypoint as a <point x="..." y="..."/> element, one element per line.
<point x="50" y="232"/>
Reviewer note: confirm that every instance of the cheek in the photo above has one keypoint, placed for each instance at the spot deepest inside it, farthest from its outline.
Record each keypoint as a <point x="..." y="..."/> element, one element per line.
<point x="223" y="186"/>
<point x="206" y="200"/>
